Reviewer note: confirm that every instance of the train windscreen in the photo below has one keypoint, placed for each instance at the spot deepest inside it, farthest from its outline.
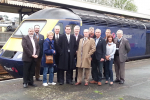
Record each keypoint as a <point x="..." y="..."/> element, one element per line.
<point x="23" y="29"/>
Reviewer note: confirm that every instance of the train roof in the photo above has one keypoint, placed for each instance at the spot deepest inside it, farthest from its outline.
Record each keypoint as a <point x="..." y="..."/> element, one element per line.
<point x="91" y="6"/>
<point x="54" y="13"/>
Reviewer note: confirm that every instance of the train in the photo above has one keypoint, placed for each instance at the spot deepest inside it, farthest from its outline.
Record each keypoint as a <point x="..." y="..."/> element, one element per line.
<point x="137" y="33"/>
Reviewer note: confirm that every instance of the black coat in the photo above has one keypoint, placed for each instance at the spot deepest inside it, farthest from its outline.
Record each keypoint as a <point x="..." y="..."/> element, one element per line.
<point x="63" y="51"/>
<point x="56" y="48"/>
<point x="41" y="41"/>
<point x="100" y="49"/>
<point x="28" y="48"/>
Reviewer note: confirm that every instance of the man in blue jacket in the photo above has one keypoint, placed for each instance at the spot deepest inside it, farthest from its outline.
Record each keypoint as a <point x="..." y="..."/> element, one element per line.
<point x="40" y="39"/>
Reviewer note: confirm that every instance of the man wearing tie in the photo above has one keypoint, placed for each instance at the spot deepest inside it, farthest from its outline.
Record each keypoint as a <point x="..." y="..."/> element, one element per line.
<point x="40" y="39"/>
<point x="67" y="49"/>
<point x="122" y="49"/>
<point x="56" y="37"/>
<point x="98" y="58"/>
<point x="78" y="37"/>
<point x="85" y="50"/>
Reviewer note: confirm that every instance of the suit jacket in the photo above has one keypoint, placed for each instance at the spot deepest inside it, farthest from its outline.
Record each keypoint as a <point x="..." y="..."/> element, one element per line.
<point x="79" y="37"/>
<point x="87" y="49"/>
<point x="100" y="49"/>
<point x="41" y="41"/>
<point x="124" y="48"/>
<point x="63" y="51"/>
<point x="28" y="48"/>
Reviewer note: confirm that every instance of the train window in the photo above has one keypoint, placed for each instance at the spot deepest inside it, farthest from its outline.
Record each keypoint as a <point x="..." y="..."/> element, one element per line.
<point x="61" y="28"/>
<point x="72" y="28"/>
<point x="23" y="29"/>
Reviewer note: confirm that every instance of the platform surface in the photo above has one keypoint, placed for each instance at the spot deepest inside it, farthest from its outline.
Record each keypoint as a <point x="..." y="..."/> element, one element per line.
<point x="136" y="87"/>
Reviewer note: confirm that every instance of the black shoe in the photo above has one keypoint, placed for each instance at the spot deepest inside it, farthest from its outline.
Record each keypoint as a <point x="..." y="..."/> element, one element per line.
<point x="61" y="83"/>
<point x="25" y="85"/>
<point x="34" y="85"/>
<point x="37" y="79"/>
<point x="71" y="83"/>
<point x="116" y="80"/>
<point x="121" y="82"/>
<point x="110" y="84"/>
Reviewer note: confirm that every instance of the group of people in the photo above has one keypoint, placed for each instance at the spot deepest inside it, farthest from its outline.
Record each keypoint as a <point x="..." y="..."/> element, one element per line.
<point x="89" y="53"/>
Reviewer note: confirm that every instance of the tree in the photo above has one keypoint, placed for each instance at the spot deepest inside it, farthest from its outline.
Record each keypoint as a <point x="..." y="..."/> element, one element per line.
<point x="121" y="4"/>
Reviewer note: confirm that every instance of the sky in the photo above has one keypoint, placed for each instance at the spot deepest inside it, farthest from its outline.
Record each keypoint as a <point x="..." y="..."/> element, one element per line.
<point x="143" y="8"/>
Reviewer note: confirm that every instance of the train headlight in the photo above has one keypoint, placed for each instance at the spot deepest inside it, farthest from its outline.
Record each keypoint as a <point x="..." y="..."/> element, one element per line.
<point x="19" y="56"/>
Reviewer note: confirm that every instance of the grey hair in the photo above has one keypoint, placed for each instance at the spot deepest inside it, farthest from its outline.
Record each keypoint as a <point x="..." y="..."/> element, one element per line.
<point x="85" y="30"/>
<point x="91" y="28"/>
<point x="98" y="30"/>
<point x="120" y="32"/>
<point x="57" y="26"/>
<point x="30" y="28"/>
<point x="77" y="26"/>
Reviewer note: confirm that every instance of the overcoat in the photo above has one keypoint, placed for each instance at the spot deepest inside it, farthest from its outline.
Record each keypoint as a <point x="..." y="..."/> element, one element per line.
<point x="84" y="53"/>
<point x="63" y="51"/>
<point x="124" y="48"/>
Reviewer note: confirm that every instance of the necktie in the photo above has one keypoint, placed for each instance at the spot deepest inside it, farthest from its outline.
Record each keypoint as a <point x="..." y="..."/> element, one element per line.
<point x="56" y="38"/>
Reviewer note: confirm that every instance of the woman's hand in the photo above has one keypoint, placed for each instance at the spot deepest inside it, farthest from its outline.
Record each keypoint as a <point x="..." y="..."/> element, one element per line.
<point x="54" y="52"/>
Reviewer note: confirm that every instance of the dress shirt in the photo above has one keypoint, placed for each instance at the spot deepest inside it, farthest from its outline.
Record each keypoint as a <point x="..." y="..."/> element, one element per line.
<point x="76" y="36"/>
<point x="56" y="36"/>
<point x="68" y="37"/>
<point x="97" y="39"/>
<point x="33" y="44"/>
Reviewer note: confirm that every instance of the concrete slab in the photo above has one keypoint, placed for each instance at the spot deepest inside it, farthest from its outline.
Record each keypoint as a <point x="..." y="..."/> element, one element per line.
<point x="136" y="87"/>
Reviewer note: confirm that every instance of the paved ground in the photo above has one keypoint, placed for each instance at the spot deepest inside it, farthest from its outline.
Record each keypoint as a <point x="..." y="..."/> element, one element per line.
<point x="136" y="87"/>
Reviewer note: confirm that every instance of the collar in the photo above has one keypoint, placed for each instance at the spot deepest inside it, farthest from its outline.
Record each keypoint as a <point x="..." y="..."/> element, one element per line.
<point x="76" y="35"/>
<point x="67" y="35"/>
<point x="36" y="34"/>
<point x="120" y="39"/>
<point x="85" y="38"/>
<point x="98" y="38"/>
<point x="57" y="34"/>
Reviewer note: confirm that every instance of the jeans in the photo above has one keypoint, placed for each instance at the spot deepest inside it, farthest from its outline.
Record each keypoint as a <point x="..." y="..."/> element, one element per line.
<point x="51" y="74"/>
<point x="97" y="70"/>
<point x="109" y="71"/>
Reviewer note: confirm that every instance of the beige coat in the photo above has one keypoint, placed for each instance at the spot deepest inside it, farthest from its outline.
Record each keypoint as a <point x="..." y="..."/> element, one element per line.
<point x="84" y="60"/>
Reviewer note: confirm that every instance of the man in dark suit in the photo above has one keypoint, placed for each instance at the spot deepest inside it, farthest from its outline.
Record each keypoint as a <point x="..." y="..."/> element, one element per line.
<point x="98" y="58"/>
<point x="40" y="39"/>
<point x="67" y="49"/>
<point x="56" y="37"/>
<point x="122" y="49"/>
<point x="78" y="37"/>
<point x="30" y="54"/>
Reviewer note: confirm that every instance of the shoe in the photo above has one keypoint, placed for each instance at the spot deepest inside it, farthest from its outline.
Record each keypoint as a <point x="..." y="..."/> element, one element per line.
<point x="106" y="82"/>
<point x="121" y="82"/>
<point x="37" y="79"/>
<point x="99" y="83"/>
<point x="53" y="83"/>
<point x="86" y="84"/>
<point x="111" y="84"/>
<point x="93" y="82"/>
<point x="116" y="80"/>
<point x="61" y="83"/>
<point x="25" y="85"/>
<point x="45" y="84"/>
<point x="78" y="83"/>
<point x="71" y="83"/>
<point x="34" y="85"/>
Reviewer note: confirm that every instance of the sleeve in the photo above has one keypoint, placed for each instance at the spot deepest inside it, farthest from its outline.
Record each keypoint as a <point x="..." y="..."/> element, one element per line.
<point x="38" y="48"/>
<point x="114" y="50"/>
<point x="25" y="48"/>
<point x="104" y="49"/>
<point x="127" y="46"/>
<point x="93" y="48"/>
<point x="46" y="49"/>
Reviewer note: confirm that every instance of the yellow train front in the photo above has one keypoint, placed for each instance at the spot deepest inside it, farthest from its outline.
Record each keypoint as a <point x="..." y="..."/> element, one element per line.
<point x="11" y="53"/>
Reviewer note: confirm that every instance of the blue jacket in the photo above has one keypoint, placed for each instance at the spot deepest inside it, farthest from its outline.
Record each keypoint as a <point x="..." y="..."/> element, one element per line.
<point x="47" y="51"/>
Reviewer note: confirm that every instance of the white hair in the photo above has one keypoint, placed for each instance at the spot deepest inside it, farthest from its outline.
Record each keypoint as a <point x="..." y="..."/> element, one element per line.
<point x="85" y="30"/>
<point x="119" y="31"/>
<point x="98" y="30"/>
<point x="57" y="26"/>
<point x="77" y="26"/>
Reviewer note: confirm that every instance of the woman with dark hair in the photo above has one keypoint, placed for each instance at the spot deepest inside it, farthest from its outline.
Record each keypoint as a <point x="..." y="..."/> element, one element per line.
<point x="110" y="51"/>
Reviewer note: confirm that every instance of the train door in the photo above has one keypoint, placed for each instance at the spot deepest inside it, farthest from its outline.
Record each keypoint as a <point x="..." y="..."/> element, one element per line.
<point x="148" y="42"/>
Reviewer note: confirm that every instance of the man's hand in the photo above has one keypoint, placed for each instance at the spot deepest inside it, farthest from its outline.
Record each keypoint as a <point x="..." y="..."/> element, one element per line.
<point x="102" y="59"/>
<point x="35" y="56"/>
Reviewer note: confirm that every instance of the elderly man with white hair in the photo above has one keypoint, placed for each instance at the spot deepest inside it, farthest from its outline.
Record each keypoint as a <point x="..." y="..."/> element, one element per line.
<point x="31" y="51"/>
<point x="122" y="49"/>
<point x="85" y="50"/>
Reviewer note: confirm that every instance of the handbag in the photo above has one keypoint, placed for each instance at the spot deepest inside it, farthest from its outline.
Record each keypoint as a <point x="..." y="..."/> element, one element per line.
<point x="49" y="58"/>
